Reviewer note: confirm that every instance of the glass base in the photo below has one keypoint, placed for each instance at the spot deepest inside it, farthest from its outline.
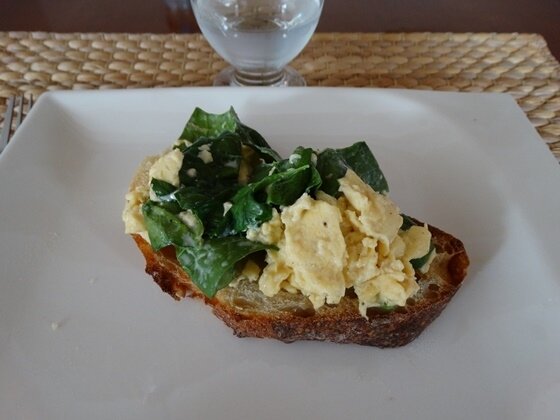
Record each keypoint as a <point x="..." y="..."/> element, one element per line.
<point x="285" y="77"/>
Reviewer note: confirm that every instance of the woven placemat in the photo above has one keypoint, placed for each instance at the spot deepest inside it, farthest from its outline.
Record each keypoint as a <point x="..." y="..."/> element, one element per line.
<point x="519" y="64"/>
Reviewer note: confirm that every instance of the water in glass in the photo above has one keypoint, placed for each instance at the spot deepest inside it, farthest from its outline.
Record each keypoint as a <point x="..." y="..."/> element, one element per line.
<point x="258" y="37"/>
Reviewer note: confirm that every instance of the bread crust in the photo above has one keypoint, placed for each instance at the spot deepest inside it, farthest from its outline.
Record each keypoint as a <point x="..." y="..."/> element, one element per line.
<point x="288" y="317"/>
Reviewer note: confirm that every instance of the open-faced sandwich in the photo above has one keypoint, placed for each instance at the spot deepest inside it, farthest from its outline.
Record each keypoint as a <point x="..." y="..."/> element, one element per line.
<point x="309" y="247"/>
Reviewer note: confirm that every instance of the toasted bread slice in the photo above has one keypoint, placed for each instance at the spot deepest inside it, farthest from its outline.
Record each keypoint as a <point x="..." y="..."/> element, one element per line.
<point x="290" y="317"/>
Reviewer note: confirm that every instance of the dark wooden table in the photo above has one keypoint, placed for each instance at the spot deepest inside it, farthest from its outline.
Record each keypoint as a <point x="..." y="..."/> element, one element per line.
<point x="536" y="16"/>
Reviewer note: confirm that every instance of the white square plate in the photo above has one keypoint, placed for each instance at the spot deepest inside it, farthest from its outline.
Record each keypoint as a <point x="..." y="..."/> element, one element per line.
<point x="470" y="164"/>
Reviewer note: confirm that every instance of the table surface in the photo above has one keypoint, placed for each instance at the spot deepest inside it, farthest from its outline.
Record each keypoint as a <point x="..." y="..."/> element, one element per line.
<point x="100" y="44"/>
<point x="529" y="16"/>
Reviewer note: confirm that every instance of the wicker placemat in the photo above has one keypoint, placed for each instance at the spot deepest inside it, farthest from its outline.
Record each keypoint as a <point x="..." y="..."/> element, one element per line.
<point x="519" y="64"/>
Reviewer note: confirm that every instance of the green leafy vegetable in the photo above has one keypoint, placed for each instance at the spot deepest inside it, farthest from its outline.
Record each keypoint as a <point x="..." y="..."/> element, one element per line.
<point x="164" y="228"/>
<point x="223" y="157"/>
<point x="211" y="265"/>
<point x="408" y="222"/>
<point x="247" y="211"/>
<point x="204" y="124"/>
<point x="418" y="263"/>
<point x="277" y="184"/>
<point x="332" y="164"/>
<point x="162" y="189"/>
<point x="288" y="189"/>
<point x="253" y="139"/>
<point x="208" y="204"/>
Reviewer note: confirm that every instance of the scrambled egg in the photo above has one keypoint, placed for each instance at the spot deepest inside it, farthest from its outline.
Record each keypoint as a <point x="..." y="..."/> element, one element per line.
<point x="311" y="251"/>
<point x="165" y="168"/>
<point x="204" y="153"/>
<point x="138" y="194"/>
<point x="326" y="245"/>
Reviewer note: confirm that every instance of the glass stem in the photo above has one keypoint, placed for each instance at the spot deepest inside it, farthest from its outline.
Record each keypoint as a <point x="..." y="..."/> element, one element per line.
<point x="266" y="78"/>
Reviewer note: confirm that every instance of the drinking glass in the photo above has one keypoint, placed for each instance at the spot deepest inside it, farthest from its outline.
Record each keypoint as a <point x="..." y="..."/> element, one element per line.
<point x="258" y="38"/>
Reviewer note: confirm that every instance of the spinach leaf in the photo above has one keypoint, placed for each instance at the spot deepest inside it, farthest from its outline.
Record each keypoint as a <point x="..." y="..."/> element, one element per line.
<point x="418" y="263"/>
<point x="332" y="164"/>
<point x="263" y="170"/>
<point x="247" y="211"/>
<point x="204" y="124"/>
<point x="211" y="265"/>
<point x="222" y="157"/>
<point x="164" y="191"/>
<point x="289" y="187"/>
<point x="408" y="222"/>
<point x="252" y="204"/>
<point x="274" y="184"/>
<point x="164" y="228"/>
<point x="332" y="167"/>
<point x="208" y="205"/>
<point x="254" y="140"/>
<point x="196" y="200"/>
